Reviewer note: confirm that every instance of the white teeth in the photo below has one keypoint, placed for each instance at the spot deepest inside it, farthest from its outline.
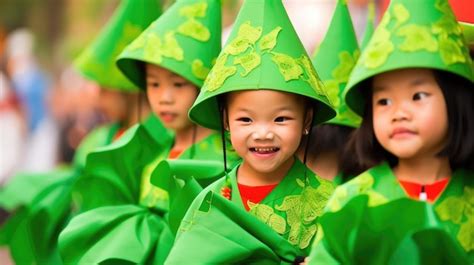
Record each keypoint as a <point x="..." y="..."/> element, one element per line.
<point x="265" y="149"/>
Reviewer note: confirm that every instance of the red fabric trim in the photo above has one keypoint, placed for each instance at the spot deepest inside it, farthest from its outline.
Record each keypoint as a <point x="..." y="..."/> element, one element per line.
<point x="433" y="191"/>
<point x="254" y="194"/>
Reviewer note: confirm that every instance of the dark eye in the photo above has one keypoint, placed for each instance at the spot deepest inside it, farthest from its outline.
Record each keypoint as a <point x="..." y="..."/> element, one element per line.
<point x="420" y="95"/>
<point x="384" y="102"/>
<point x="153" y="84"/>
<point x="180" y="84"/>
<point x="244" y="120"/>
<point x="282" y="119"/>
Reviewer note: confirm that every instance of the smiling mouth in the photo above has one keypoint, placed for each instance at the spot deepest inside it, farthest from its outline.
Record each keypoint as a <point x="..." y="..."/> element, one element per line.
<point x="264" y="150"/>
<point x="167" y="116"/>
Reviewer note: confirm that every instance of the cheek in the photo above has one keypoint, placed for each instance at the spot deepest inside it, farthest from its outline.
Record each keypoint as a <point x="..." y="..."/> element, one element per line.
<point x="186" y="98"/>
<point x="380" y="125"/>
<point x="153" y="98"/>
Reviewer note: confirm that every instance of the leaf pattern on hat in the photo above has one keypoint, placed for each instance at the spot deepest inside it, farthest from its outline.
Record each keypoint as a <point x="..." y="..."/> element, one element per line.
<point x="460" y="210"/>
<point x="248" y="62"/>
<point x="246" y="37"/>
<point x="199" y="70"/>
<point x="152" y="48"/>
<point x="171" y="47"/>
<point x="416" y="37"/>
<point x="288" y="66"/>
<point x="195" y="30"/>
<point x="269" y="41"/>
<point x="219" y="73"/>
<point x="312" y="76"/>
<point x="194" y="10"/>
<point x="380" y="46"/>
<point x="401" y="14"/>
<point x="450" y="50"/>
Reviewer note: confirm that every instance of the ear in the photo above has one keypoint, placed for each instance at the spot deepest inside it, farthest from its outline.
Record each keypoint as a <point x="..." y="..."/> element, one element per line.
<point x="226" y="119"/>
<point x="308" y="118"/>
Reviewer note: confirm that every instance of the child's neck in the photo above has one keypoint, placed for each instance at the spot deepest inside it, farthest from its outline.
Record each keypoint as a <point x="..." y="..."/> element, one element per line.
<point x="325" y="165"/>
<point x="248" y="176"/>
<point x="424" y="171"/>
<point x="184" y="138"/>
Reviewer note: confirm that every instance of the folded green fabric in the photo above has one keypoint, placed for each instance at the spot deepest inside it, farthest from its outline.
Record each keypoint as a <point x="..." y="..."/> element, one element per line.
<point x="32" y="230"/>
<point x="97" y="236"/>
<point x="184" y="179"/>
<point x="236" y="237"/>
<point x="402" y="231"/>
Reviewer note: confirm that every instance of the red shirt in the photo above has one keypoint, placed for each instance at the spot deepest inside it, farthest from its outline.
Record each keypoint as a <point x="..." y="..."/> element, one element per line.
<point x="254" y="194"/>
<point x="174" y="153"/>
<point x="433" y="191"/>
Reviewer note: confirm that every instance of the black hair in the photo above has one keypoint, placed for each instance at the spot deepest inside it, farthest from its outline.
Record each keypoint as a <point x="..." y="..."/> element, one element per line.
<point x="327" y="138"/>
<point x="458" y="93"/>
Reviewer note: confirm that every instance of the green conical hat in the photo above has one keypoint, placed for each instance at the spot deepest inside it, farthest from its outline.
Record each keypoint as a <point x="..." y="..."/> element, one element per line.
<point x="186" y="40"/>
<point x="97" y="62"/>
<point x="263" y="52"/>
<point x="336" y="56"/>
<point x="422" y="33"/>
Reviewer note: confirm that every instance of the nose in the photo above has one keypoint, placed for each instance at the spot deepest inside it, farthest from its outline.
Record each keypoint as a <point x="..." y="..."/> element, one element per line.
<point x="263" y="132"/>
<point x="401" y="112"/>
<point x="166" y="96"/>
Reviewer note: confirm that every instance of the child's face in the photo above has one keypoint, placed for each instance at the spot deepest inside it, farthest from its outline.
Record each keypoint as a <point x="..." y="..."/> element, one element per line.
<point x="266" y="127"/>
<point x="170" y="97"/>
<point x="409" y="113"/>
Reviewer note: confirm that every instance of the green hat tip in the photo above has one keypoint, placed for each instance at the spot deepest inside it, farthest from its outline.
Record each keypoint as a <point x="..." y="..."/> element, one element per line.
<point x="186" y="40"/>
<point x="97" y="62"/>
<point x="263" y="52"/>
<point x="334" y="61"/>
<point x="406" y="39"/>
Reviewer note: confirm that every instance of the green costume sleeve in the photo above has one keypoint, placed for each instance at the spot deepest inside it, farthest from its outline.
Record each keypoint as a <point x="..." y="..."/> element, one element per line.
<point x="401" y="231"/>
<point x="110" y="176"/>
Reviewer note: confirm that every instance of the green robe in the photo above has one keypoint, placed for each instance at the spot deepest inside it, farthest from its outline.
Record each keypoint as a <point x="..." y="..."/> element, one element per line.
<point x="277" y="230"/>
<point x="353" y="223"/>
<point x="40" y="205"/>
<point x="124" y="217"/>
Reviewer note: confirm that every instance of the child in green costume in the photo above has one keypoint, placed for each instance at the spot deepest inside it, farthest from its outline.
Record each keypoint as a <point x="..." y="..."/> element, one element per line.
<point x="264" y="91"/>
<point x="40" y="204"/>
<point x="334" y="60"/>
<point x="413" y="87"/>
<point x="125" y="215"/>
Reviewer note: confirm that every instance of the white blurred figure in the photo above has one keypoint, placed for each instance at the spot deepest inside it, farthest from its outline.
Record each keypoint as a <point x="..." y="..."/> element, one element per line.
<point x="31" y="85"/>
<point x="12" y="131"/>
